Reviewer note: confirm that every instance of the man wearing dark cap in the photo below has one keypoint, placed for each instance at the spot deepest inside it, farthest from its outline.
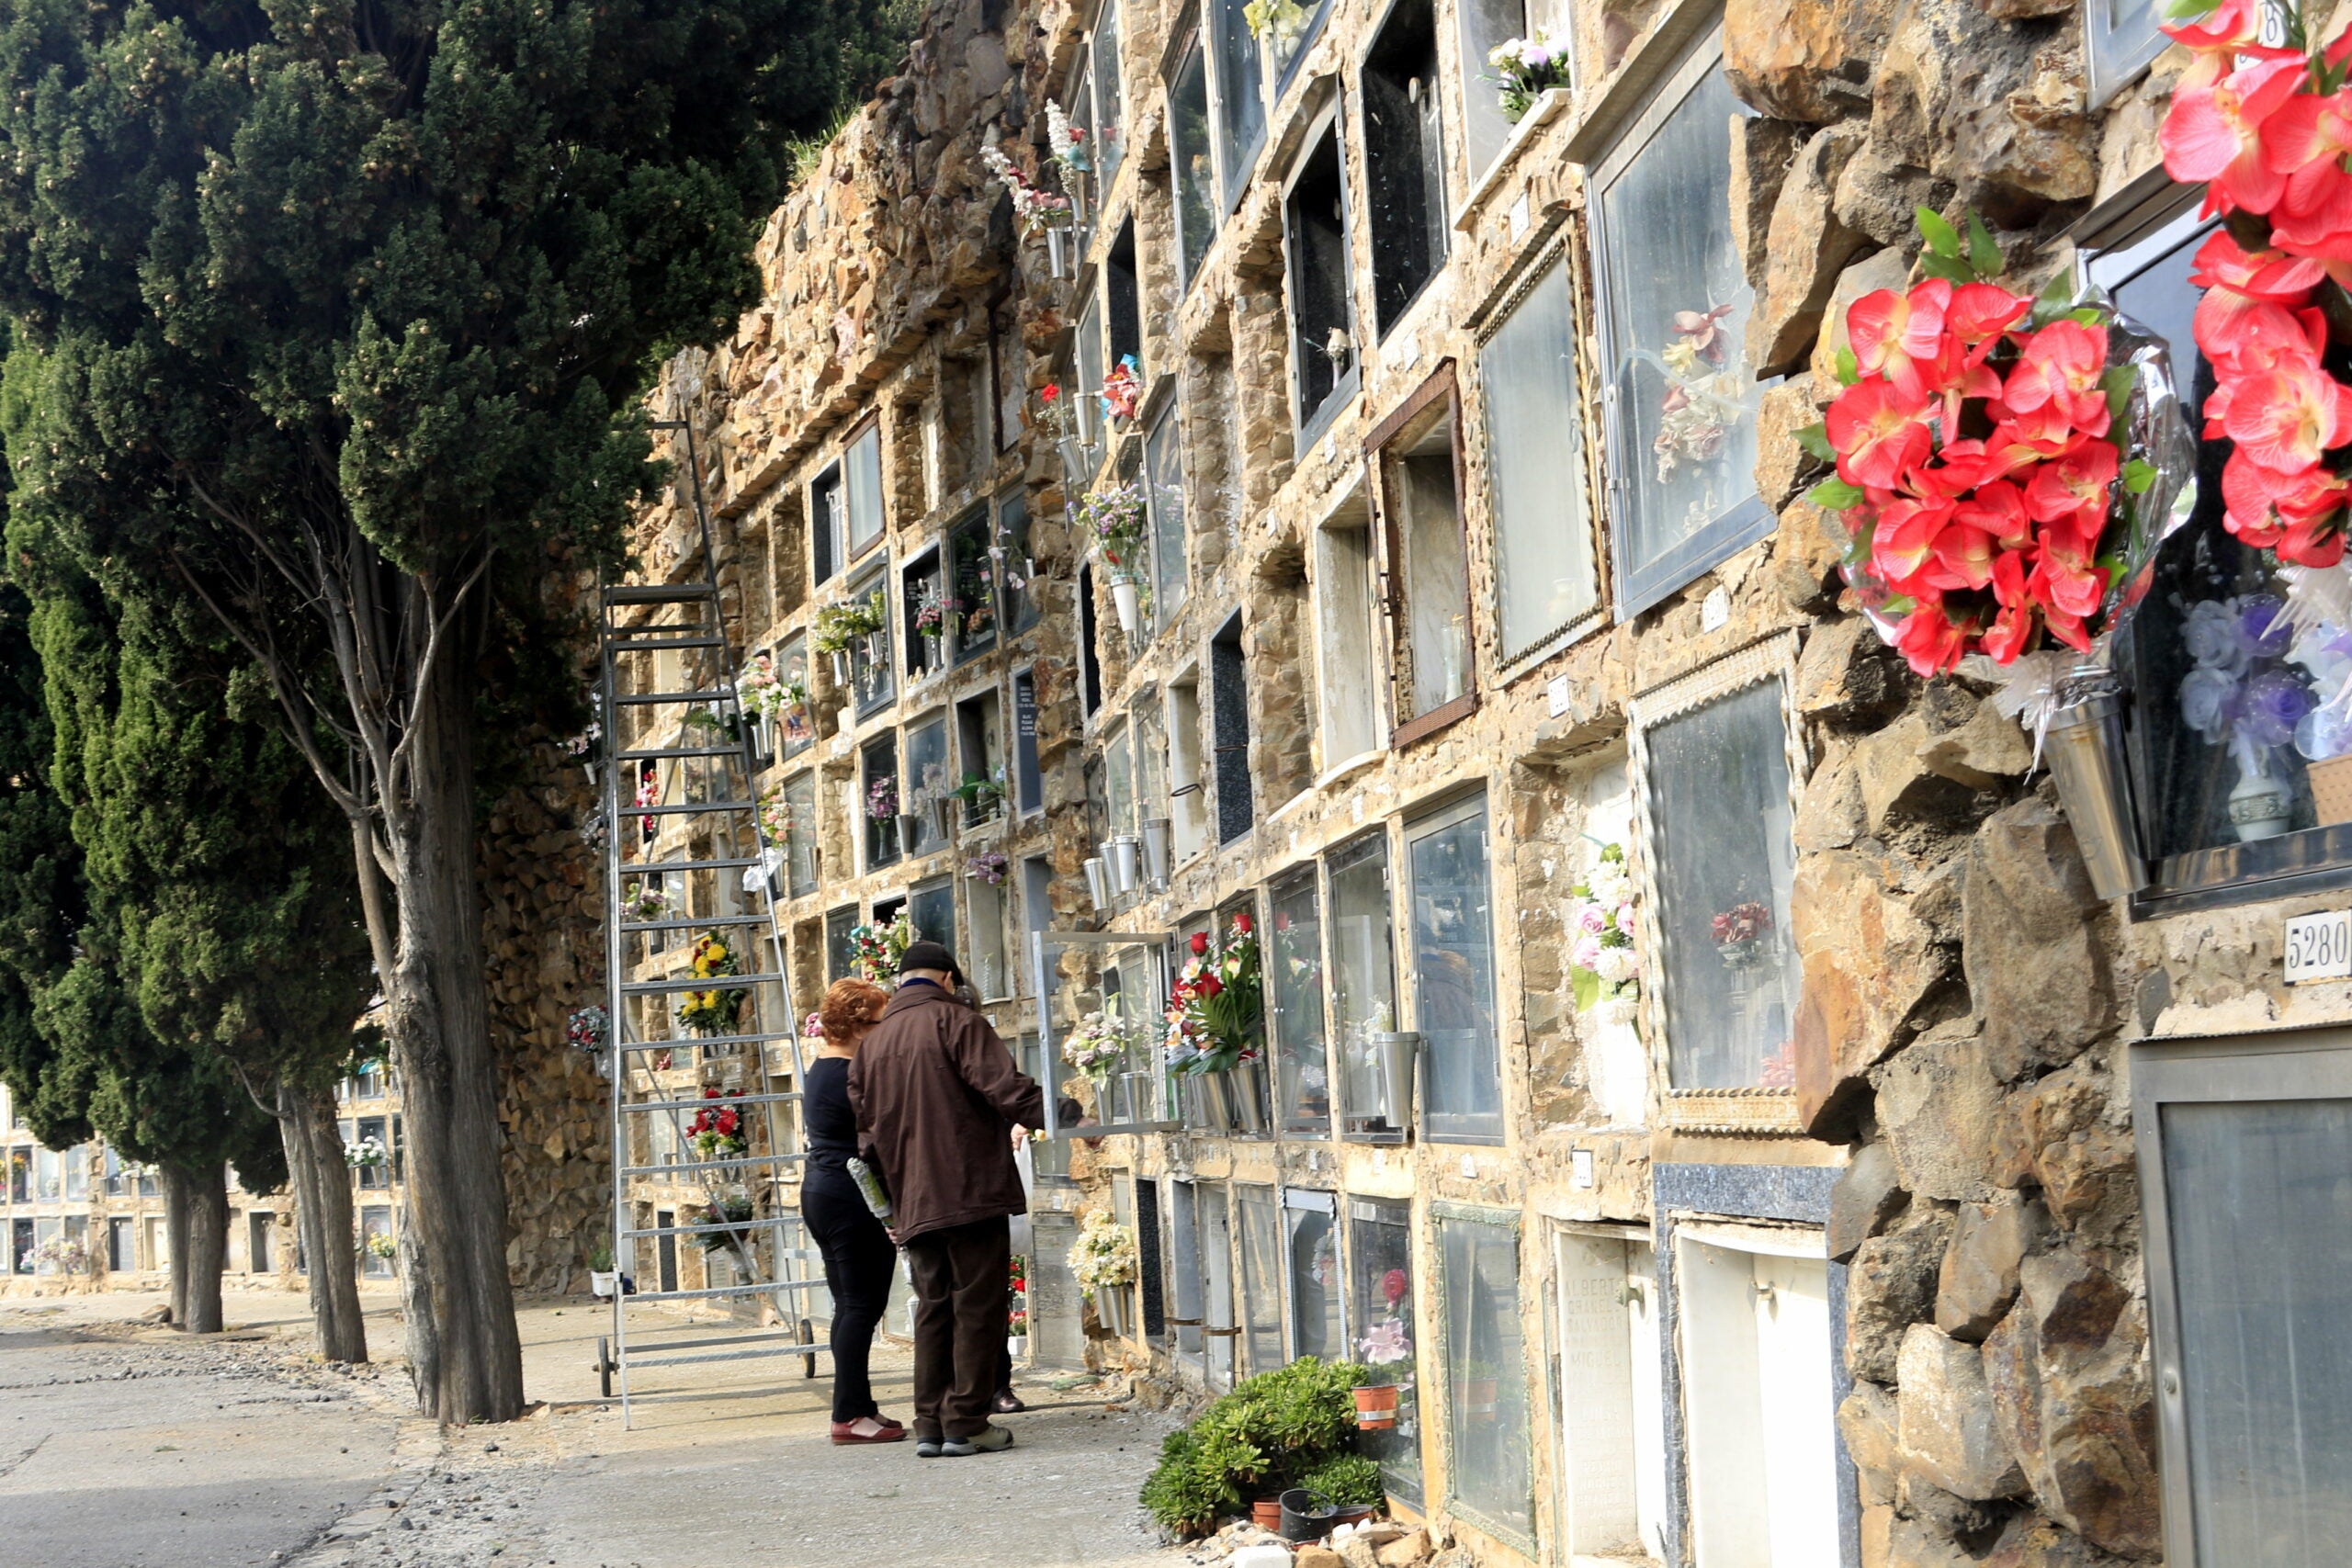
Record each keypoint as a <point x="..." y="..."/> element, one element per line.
<point x="936" y="1095"/>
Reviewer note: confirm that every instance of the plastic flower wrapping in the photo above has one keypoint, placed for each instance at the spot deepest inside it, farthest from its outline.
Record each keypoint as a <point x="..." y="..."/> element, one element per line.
<point x="1604" y="967"/>
<point x="1121" y="390"/>
<point x="717" y="1131"/>
<point x="1104" y="1255"/>
<point x="588" y="1028"/>
<point x="2006" y="465"/>
<point x="1217" y="1012"/>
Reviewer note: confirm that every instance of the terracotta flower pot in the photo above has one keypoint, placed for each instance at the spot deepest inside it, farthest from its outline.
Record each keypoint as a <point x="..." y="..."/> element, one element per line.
<point x="1376" y="1407"/>
<point x="1266" y="1513"/>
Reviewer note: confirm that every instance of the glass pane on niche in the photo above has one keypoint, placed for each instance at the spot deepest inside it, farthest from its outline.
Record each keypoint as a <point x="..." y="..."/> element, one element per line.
<point x="1262" y="1285"/>
<point x="2261" y="1270"/>
<point x="1677" y="304"/>
<point x="1454" y="974"/>
<point x="1194" y="172"/>
<point x="1718" y="783"/>
<point x="1314" y="1245"/>
<point x="2224" y="694"/>
<point x="1485" y="1371"/>
<point x="1380" y="1300"/>
<point x="1363" y="990"/>
<point x="1295" y="990"/>
<point x="1535" y="440"/>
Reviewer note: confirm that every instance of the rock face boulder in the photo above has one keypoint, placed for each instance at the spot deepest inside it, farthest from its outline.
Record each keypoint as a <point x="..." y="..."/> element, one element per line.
<point x="1809" y="247"/>
<point x="2035" y="971"/>
<point x="1808" y="61"/>
<point x="1868" y="1194"/>
<point x="1992" y="107"/>
<point x="2071" y="1396"/>
<point x="1890" y="1285"/>
<point x="1979" y="1279"/>
<point x="1869" y="967"/>
<point x="1938" y="1104"/>
<point x="1946" y="1433"/>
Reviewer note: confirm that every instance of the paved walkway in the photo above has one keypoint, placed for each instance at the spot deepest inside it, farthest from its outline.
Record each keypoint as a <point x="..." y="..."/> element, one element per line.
<point x="123" y="1446"/>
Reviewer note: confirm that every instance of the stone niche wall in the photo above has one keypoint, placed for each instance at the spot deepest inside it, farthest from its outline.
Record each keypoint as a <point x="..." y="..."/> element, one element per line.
<point x="1962" y="1025"/>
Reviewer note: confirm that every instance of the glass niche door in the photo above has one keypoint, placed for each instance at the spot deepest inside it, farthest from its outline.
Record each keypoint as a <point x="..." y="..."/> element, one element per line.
<point x="1105" y="994"/>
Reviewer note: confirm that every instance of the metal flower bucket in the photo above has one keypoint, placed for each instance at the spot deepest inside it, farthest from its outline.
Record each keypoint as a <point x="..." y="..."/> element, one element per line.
<point x="2084" y="745"/>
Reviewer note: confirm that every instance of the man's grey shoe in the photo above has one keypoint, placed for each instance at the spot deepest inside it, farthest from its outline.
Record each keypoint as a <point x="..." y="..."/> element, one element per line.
<point x="927" y="1448"/>
<point x="989" y="1440"/>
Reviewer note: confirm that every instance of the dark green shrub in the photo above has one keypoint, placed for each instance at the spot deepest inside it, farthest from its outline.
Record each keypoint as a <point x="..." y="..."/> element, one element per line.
<point x="1270" y="1432"/>
<point x="1347" y="1479"/>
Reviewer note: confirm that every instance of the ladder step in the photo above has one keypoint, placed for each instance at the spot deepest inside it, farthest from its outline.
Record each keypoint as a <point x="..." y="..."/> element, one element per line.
<point x="660" y="753"/>
<point x="617" y="642"/>
<point x="727" y="1355"/>
<point x="691" y="808"/>
<point x="651" y="868"/>
<point x="712" y="983"/>
<point x="657" y="592"/>
<point x="684" y="1167"/>
<point x="646" y="699"/>
<point x="705" y="1040"/>
<point x="783" y="1335"/>
<point x="777" y="1098"/>
<point x="696" y="925"/>
<point x="710" y="1291"/>
<point x="771" y="1223"/>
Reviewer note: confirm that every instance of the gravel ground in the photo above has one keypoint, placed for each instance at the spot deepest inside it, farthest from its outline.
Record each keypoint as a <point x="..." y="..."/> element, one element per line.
<point x="123" y="1445"/>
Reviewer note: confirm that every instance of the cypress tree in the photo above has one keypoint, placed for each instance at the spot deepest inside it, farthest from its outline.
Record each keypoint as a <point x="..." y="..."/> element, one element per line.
<point x="345" y="311"/>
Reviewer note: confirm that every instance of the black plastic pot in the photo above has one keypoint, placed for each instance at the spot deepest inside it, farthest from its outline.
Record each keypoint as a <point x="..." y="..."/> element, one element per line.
<point x="1308" y="1515"/>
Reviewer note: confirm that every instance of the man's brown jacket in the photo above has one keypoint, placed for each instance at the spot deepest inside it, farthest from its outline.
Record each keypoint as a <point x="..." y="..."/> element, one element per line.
<point x="936" y="1095"/>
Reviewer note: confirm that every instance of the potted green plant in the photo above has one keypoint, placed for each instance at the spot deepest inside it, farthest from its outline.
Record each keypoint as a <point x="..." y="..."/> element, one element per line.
<point x="601" y="1277"/>
<point x="1293" y="1426"/>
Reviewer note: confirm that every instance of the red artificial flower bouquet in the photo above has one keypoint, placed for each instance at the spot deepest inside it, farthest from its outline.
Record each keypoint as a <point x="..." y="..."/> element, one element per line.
<point x="2005" y="463"/>
<point x="2267" y="129"/>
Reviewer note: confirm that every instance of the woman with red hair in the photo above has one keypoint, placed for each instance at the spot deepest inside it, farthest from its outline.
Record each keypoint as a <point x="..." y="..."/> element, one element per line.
<point x="859" y="1256"/>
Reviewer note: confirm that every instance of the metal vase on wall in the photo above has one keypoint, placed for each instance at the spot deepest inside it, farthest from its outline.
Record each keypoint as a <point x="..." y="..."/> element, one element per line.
<point x="1124" y="854"/>
<point x="1398" y="1054"/>
<point x="1156" y="845"/>
<point x="1217" y="1093"/>
<point x="941" y="809"/>
<point x="1250" y="1095"/>
<point x="2084" y="745"/>
<point x="909" y="829"/>
<point x="841" y="671"/>
<point x="1098" y="883"/>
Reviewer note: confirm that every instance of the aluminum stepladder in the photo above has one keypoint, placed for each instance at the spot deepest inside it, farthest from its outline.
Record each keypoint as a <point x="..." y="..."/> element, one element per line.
<point x="772" y="1257"/>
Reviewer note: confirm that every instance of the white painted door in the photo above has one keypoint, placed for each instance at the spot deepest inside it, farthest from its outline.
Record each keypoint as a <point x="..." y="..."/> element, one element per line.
<point x="1799" y="1414"/>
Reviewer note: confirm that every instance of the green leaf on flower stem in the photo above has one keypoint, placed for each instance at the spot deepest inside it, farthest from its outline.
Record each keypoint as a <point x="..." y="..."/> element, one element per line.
<point x="1898" y="604"/>
<point x="1835" y="495"/>
<point x="1849" y="369"/>
<point x="2119" y="383"/>
<point x="1983" y="254"/>
<point x="2138" y="475"/>
<point x="2187" y="10"/>
<point x="1586" y="985"/>
<point x="2057" y="298"/>
<point x="2089" y="315"/>
<point x="1943" y="239"/>
<point x="1814" y="438"/>
<point x="1952" y="269"/>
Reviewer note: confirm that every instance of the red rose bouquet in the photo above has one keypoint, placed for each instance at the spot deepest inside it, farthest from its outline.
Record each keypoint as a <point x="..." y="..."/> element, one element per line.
<point x="1217" y="1013"/>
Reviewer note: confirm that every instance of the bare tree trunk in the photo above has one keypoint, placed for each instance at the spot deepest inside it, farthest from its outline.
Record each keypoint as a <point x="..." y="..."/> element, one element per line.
<point x="438" y="1016"/>
<point x="177" y="1198"/>
<point x="306" y="1121"/>
<point x="208" y="1246"/>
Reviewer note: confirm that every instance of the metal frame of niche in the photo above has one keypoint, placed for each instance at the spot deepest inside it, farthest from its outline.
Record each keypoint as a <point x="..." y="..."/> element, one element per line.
<point x="1798" y="1194"/>
<point x="1046" y="944"/>
<point x="1748" y="1111"/>
<point x="1513" y="1221"/>
<point x="2300" y="1065"/>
